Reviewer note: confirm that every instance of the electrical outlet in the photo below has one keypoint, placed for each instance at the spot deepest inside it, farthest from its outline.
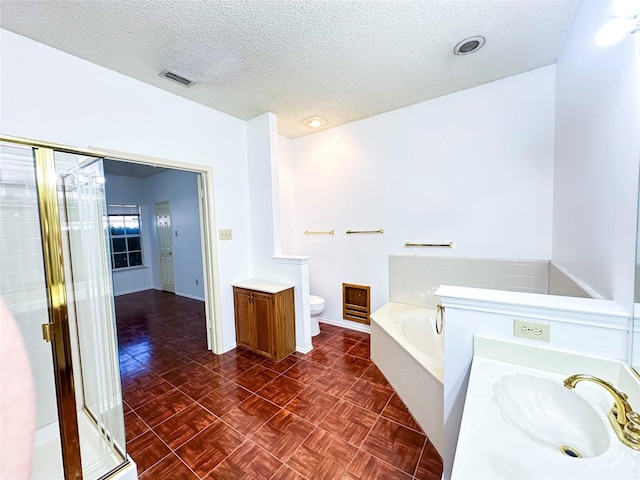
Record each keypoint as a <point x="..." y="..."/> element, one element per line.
<point x="197" y="282"/>
<point x="532" y="330"/>
<point x="225" y="234"/>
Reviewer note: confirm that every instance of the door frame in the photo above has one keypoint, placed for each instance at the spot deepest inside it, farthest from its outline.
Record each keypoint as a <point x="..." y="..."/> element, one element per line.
<point x="209" y="245"/>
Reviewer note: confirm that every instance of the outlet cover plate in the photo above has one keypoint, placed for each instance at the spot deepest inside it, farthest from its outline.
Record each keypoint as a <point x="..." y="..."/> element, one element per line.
<point x="531" y="330"/>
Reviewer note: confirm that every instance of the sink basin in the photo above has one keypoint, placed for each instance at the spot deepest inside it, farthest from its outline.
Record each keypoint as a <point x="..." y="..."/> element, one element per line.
<point x="552" y="415"/>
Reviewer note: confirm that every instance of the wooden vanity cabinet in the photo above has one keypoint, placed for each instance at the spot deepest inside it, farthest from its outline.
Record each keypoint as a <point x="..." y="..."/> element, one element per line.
<point x="265" y="322"/>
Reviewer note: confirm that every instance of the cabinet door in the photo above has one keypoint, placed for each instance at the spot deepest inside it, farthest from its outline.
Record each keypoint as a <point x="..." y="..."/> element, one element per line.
<point x="264" y="331"/>
<point x="242" y="305"/>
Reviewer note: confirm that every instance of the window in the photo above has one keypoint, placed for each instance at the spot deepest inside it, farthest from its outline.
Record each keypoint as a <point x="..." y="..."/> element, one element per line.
<point x="124" y="236"/>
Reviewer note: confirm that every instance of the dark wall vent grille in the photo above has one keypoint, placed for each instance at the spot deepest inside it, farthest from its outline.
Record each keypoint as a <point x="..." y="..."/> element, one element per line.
<point x="177" y="78"/>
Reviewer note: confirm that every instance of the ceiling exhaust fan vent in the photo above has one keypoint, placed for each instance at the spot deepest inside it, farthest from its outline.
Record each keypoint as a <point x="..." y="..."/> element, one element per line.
<point x="176" y="78"/>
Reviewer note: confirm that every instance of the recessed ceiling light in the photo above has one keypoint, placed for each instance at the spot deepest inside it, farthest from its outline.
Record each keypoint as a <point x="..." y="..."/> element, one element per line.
<point x="314" y="122"/>
<point x="469" y="45"/>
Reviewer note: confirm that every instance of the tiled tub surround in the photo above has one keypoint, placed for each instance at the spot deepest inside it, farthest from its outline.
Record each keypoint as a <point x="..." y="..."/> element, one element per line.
<point x="414" y="279"/>
<point x="485" y="435"/>
<point x="190" y="414"/>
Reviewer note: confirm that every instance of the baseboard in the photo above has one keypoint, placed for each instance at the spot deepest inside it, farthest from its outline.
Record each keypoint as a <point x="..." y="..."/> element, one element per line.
<point x="228" y="348"/>
<point x="347" y="324"/>
<point x="127" y="292"/>
<point x="193" y="297"/>
<point x="304" y="350"/>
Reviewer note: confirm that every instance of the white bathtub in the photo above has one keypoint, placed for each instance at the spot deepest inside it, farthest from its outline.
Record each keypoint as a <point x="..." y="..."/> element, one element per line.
<point x="409" y="352"/>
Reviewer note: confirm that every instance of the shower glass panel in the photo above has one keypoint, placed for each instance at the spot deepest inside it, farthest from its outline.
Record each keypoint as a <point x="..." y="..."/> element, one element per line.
<point x="23" y="288"/>
<point x="83" y="215"/>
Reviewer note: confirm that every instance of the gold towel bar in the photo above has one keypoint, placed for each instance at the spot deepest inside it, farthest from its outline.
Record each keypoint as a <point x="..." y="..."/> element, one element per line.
<point x="365" y="231"/>
<point x="409" y="244"/>
<point x="330" y="232"/>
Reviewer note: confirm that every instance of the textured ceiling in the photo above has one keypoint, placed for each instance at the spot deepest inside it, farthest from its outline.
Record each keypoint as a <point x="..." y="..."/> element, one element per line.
<point x="342" y="60"/>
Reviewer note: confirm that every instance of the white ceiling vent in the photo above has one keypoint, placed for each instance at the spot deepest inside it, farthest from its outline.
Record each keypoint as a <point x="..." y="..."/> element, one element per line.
<point x="176" y="78"/>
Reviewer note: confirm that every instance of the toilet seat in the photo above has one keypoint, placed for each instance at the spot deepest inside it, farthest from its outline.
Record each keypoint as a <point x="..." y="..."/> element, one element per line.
<point x="315" y="300"/>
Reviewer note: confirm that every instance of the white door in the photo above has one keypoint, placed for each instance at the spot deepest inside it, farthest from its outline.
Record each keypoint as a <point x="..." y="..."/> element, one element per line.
<point x="163" y="225"/>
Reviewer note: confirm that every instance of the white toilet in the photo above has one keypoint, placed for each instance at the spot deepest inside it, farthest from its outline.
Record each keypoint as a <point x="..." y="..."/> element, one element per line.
<point x="317" y="307"/>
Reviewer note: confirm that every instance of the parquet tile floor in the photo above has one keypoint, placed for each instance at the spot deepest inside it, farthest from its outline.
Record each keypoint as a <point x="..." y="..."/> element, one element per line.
<point x="191" y="415"/>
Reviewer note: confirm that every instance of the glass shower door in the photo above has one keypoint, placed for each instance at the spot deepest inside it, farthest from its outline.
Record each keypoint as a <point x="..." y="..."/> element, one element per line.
<point x="83" y="215"/>
<point x="24" y="290"/>
<point x="55" y="277"/>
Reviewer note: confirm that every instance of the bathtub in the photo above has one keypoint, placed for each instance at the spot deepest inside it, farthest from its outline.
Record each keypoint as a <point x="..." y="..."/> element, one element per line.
<point x="410" y="354"/>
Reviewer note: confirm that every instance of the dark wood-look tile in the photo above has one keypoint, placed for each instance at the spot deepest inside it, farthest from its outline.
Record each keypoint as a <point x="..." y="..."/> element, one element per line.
<point x="305" y="372"/>
<point x="170" y="467"/>
<point x="184" y="425"/>
<point x="256" y="377"/>
<point x="349" y="422"/>
<point x="126" y="408"/>
<point x="210" y="360"/>
<point x="397" y="411"/>
<point x="287" y="473"/>
<point x="160" y="408"/>
<point x="283" y="434"/>
<point x="340" y="343"/>
<point x="249" y="355"/>
<point x="322" y="355"/>
<point x="361" y="350"/>
<point x="335" y="383"/>
<point x="322" y="456"/>
<point x="352" y="365"/>
<point x="281" y="366"/>
<point x="233" y="367"/>
<point x="374" y="375"/>
<point x="368" y="395"/>
<point x="130" y="367"/>
<point x="322" y="337"/>
<point x="430" y="465"/>
<point x="368" y="467"/>
<point x="224" y="398"/>
<point x="248" y="461"/>
<point x="330" y="329"/>
<point x="210" y="447"/>
<point x="355" y="335"/>
<point x="312" y="405"/>
<point x="395" y="444"/>
<point x="203" y="384"/>
<point x="281" y="390"/>
<point x="134" y="426"/>
<point x="140" y="393"/>
<point x="147" y="450"/>
<point x="184" y="373"/>
<point x="250" y="415"/>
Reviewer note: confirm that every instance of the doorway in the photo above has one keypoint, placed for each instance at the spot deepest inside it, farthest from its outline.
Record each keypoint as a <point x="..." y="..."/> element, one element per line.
<point x="165" y="245"/>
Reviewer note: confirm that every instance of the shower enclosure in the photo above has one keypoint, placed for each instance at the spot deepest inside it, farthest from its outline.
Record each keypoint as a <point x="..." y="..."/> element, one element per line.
<point x="55" y="276"/>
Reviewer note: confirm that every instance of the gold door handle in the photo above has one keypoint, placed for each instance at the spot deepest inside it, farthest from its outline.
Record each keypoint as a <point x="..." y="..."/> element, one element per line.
<point x="47" y="332"/>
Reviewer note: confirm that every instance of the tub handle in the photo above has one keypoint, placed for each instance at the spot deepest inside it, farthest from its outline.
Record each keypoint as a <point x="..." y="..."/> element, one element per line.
<point x="439" y="319"/>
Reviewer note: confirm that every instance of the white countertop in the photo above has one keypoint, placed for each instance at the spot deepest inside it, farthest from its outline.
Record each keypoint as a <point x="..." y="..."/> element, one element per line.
<point x="490" y="447"/>
<point x="266" y="286"/>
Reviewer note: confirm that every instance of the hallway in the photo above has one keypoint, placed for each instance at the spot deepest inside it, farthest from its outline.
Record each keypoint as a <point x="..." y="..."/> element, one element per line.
<point x="190" y="414"/>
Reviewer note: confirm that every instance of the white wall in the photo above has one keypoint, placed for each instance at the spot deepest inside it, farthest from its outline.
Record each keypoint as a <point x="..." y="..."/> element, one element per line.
<point x="474" y="167"/>
<point x="180" y="189"/>
<point x="596" y="156"/>
<point x="265" y="195"/>
<point x="122" y="190"/>
<point x="81" y="104"/>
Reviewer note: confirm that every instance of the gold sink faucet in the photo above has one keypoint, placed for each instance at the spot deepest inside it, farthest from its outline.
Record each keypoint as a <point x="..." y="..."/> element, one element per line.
<point x="625" y="422"/>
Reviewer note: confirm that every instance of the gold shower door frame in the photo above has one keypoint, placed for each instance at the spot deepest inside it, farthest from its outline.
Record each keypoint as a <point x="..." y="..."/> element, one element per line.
<point x="58" y="331"/>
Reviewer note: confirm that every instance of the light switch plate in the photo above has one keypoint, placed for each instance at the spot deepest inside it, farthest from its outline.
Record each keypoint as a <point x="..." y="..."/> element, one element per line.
<point x="225" y="234"/>
<point x="532" y="330"/>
